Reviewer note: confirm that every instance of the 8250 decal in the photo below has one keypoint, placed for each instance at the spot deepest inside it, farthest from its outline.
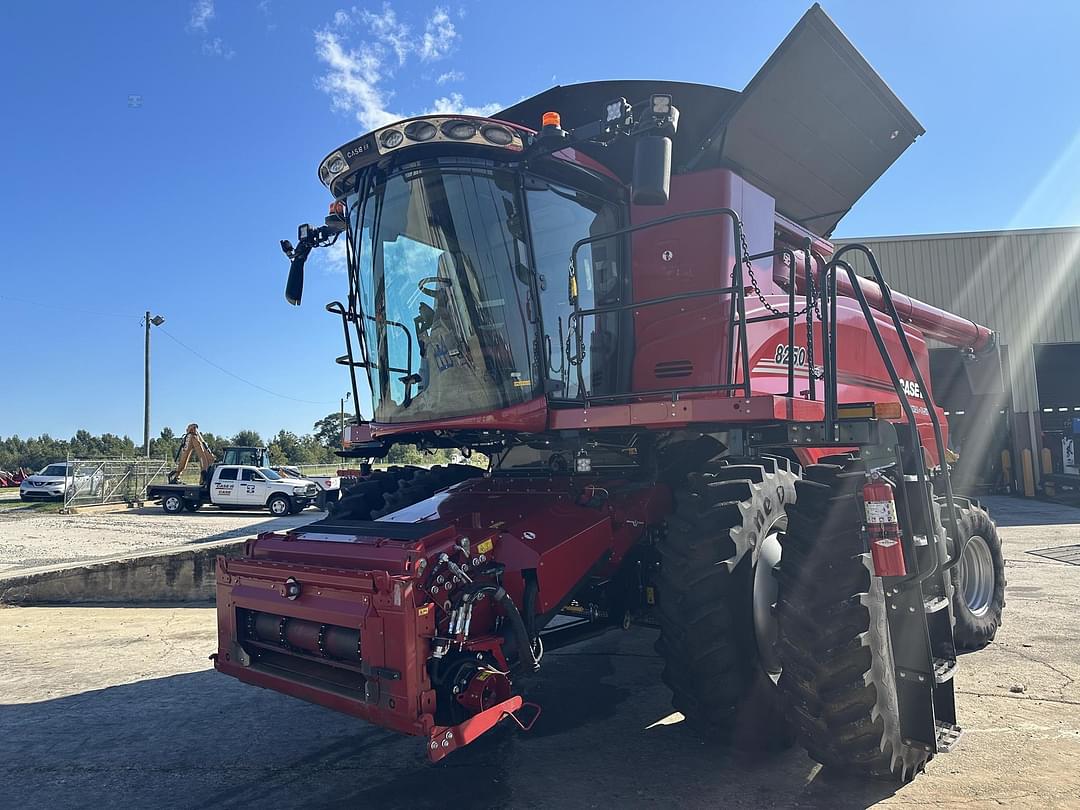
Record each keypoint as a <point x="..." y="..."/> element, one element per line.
<point x="782" y="354"/>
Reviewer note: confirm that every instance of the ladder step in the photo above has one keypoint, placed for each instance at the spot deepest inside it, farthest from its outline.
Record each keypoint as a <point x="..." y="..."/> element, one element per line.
<point x="944" y="669"/>
<point x="948" y="735"/>
<point x="935" y="604"/>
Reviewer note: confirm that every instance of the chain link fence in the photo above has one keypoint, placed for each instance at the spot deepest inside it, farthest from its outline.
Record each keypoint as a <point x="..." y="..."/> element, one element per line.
<point x="111" y="481"/>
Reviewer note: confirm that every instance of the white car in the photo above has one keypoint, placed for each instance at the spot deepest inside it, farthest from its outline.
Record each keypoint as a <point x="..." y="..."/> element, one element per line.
<point x="53" y="482"/>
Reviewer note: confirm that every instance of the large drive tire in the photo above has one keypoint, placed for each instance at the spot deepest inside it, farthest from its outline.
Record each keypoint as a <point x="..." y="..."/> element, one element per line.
<point x="280" y="505"/>
<point x="422" y="485"/>
<point x="705" y="596"/>
<point x="838" y="675"/>
<point x="978" y="580"/>
<point x="172" y="504"/>
<point x="386" y="491"/>
<point x="192" y="506"/>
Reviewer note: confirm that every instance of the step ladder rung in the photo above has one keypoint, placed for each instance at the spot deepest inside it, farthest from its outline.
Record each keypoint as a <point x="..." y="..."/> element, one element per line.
<point x="944" y="669"/>
<point x="948" y="735"/>
<point x="934" y="604"/>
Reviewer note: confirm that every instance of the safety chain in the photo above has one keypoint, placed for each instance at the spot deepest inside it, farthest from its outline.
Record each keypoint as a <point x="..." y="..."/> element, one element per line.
<point x="812" y="300"/>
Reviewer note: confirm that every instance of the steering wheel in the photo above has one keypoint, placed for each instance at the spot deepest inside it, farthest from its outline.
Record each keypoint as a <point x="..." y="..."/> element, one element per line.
<point x="432" y="280"/>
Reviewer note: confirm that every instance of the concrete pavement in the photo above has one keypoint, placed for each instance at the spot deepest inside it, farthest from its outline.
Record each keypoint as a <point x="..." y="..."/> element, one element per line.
<point x="116" y="707"/>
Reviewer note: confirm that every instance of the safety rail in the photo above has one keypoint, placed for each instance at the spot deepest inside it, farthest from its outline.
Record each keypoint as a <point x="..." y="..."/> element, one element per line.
<point x="738" y="323"/>
<point x="828" y="289"/>
<point x="352" y="316"/>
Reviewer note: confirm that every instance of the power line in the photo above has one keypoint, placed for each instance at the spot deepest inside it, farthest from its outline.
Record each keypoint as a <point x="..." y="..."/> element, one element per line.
<point x="224" y="370"/>
<point x="98" y="313"/>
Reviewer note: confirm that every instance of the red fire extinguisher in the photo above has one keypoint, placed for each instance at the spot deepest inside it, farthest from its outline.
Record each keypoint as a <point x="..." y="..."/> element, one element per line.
<point x="883" y="527"/>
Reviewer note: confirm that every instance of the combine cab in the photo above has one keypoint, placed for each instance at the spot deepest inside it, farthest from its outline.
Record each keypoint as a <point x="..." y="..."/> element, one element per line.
<point x="699" y="419"/>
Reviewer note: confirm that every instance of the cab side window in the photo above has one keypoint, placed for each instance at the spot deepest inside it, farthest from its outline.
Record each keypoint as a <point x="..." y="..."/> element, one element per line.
<point x="559" y="217"/>
<point x="227" y="474"/>
<point x="251" y="475"/>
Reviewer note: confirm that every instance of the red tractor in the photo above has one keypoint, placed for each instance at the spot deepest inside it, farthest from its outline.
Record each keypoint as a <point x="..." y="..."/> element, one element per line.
<point x="699" y="419"/>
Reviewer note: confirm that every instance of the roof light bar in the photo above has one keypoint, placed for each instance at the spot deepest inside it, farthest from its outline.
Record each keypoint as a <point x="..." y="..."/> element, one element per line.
<point x="430" y="129"/>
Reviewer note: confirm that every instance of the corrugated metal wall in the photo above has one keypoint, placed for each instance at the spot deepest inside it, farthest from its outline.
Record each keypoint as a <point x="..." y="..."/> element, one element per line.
<point x="1023" y="284"/>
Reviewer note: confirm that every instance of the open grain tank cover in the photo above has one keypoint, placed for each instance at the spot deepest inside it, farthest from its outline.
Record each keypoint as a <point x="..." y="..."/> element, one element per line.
<point x="815" y="127"/>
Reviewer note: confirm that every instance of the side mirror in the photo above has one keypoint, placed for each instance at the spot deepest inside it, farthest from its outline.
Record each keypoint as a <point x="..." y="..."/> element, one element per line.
<point x="294" y="287"/>
<point x="651" y="183"/>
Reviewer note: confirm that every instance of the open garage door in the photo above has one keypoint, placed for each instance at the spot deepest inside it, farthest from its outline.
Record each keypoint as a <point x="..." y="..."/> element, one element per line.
<point x="1057" y="372"/>
<point x="980" y="426"/>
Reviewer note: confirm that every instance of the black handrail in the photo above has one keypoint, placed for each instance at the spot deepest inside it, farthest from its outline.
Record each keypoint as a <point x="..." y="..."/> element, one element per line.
<point x="789" y="255"/>
<point x="905" y="403"/>
<point x="736" y="290"/>
<point x="890" y="308"/>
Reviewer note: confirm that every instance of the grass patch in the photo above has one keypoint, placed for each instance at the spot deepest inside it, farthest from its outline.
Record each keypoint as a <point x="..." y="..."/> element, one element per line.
<point x="42" y="507"/>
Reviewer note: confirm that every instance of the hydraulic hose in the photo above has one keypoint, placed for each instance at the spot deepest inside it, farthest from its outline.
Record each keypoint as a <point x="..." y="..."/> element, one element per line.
<point x="517" y="624"/>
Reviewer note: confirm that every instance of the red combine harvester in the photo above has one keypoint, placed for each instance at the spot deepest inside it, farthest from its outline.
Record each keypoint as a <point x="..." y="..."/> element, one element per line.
<point x="699" y="419"/>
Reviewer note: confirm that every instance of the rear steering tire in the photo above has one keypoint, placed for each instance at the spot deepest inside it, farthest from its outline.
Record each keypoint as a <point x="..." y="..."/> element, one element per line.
<point x="978" y="580"/>
<point x="838" y="675"/>
<point x="714" y="637"/>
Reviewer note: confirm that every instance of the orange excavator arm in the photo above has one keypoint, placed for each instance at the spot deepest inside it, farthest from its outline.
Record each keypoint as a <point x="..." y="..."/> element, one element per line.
<point x="193" y="444"/>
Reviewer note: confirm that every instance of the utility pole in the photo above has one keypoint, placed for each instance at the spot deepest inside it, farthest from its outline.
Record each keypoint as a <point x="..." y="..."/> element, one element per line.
<point x="157" y="320"/>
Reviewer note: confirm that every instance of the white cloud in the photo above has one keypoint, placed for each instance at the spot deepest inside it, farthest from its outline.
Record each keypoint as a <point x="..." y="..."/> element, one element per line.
<point x="389" y="31"/>
<point x="217" y="47"/>
<point x="450" y="76"/>
<point x="332" y="259"/>
<point x="201" y="14"/>
<point x="439" y="36"/>
<point x="356" y="75"/>
<point x="352" y="80"/>
<point x="455" y="103"/>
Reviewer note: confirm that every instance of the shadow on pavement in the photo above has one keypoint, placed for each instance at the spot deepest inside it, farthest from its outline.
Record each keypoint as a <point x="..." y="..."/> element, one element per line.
<point x="1017" y="511"/>
<point x="204" y="740"/>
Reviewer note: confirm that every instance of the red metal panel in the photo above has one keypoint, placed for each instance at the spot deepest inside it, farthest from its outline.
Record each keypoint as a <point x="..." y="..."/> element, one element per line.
<point x="689" y="256"/>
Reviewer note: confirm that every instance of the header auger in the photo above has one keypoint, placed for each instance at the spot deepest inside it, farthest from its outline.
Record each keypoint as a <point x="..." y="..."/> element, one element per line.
<point x="699" y="420"/>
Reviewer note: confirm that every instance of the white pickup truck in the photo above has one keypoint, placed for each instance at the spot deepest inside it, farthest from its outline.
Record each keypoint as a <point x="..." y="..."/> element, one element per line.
<point x="237" y="486"/>
<point x="329" y="485"/>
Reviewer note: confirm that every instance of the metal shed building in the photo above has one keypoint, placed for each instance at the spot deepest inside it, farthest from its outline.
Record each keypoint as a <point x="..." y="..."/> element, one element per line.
<point x="1025" y="284"/>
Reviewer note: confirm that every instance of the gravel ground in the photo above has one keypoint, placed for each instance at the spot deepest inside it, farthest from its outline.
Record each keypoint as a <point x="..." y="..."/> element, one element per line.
<point x="117" y="707"/>
<point x="29" y="539"/>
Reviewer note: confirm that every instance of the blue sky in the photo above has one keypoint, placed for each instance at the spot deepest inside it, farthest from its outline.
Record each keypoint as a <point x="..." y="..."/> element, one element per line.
<point x="155" y="153"/>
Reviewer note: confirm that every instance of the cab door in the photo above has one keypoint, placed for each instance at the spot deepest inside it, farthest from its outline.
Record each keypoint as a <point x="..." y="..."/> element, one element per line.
<point x="252" y="488"/>
<point x="223" y="487"/>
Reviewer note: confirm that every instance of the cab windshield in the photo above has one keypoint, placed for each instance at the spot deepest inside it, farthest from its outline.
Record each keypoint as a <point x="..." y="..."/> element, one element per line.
<point x="445" y="289"/>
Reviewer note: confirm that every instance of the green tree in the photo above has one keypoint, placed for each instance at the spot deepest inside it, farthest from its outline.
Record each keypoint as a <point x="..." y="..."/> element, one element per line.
<point x="113" y="446"/>
<point x="318" y="452"/>
<point x="165" y="446"/>
<point x="248" y="438"/>
<point x="217" y="444"/>
<point x="85" y="445"/>
<point x="328" y="430"/>
<point x="288" y="448"/>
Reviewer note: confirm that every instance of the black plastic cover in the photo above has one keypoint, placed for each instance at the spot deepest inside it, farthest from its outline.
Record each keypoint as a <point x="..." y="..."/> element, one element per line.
<point x="814" y="128"/>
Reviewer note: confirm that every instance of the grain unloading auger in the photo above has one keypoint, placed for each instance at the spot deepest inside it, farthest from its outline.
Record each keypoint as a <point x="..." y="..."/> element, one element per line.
<point x="699" y="418"/>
